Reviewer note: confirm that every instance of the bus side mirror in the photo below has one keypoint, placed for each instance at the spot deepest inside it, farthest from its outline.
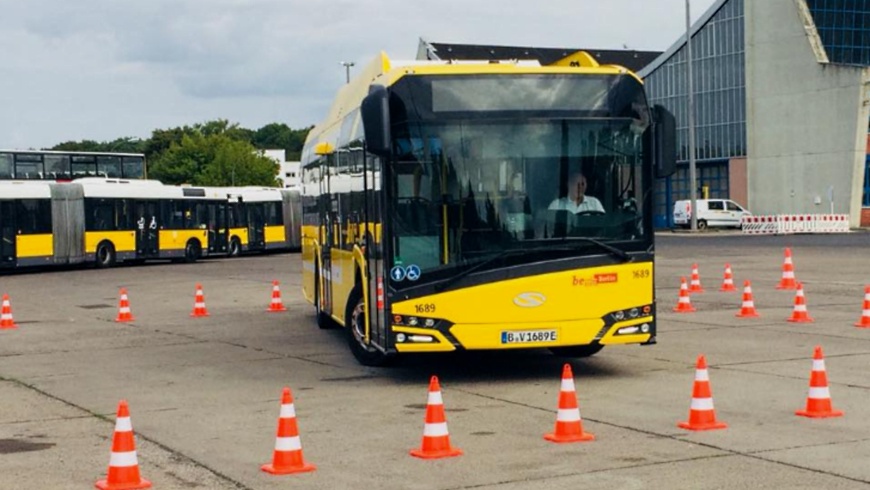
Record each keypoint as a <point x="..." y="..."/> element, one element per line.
<point x="375" y="111"/>
<point x="665" y="142"/>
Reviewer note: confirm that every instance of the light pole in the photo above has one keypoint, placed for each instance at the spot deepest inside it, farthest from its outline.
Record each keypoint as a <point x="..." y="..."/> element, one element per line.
<point x="693" y="191"/>
<point x="347" y="65"/>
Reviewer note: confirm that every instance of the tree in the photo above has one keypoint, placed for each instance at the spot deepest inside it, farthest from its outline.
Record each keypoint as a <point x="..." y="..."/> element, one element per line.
<point x="214" y="159"/>
<point x="211" y="151"/>
<point x="279" y="135"/>
<point x="121" y="145"/>
<point x="238" y="163"/>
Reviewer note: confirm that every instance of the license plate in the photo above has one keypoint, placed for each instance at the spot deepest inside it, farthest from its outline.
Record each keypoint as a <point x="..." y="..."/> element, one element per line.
<point x="528" y="336"/>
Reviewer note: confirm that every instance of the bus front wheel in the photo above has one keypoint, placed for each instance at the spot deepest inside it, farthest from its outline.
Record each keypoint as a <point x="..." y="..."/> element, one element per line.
<point x="105" y="254"/>
<point x="577" y="350"/>
<point x="355" y="321"/>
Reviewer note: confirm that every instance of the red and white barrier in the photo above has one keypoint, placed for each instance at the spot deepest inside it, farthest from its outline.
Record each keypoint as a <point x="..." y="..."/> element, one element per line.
<point x="786" y="224"/>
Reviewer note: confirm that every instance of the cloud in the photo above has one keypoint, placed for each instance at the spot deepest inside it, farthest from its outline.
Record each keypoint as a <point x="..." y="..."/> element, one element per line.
<point x="180" y="61"/>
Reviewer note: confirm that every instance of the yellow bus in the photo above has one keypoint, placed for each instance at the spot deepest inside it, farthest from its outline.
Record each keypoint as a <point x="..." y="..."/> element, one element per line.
<point x="261" y="219"/>
<point x="484" y="205"/>
<point x="104" y="221"/>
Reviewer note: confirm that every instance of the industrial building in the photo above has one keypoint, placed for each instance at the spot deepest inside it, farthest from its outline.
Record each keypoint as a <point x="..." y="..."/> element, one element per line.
<point x="781" y="100"/>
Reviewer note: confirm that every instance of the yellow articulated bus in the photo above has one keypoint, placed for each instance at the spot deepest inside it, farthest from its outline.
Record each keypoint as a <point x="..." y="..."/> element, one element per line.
<point x="485" y="205"/>
<point x="104" y="221"/>
<point x="262" y="218"/>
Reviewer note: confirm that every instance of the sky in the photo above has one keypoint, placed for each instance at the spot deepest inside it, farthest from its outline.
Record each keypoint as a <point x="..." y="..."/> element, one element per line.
<point x="106" y="69"/>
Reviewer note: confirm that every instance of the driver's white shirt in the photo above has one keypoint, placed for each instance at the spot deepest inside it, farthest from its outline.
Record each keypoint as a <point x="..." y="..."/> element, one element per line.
<point x="564" y="203"/>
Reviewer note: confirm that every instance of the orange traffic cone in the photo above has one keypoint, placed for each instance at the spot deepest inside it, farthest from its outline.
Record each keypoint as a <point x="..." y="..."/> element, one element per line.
<point x="728" y="282"/>
<point x="569" y="425"/>
<point x="695" y="286"/>
<point x="199" y="303"/>
<point x="787" y="281"/>
<point x="864" y="322"/>
<point x="684" y="304"/>
<point x="123" y="464"/>
<point x="702" y="416"/>
<point x="6" y="320"/>
<point x="436" y="439"/>
<point x="747" y="309"/>
<point x="276" y="305"/>
<point x="124" y="313"/>
<point x="819" y="398"/>
<point x="799" y="314"/>
<point x="287" y="457"/>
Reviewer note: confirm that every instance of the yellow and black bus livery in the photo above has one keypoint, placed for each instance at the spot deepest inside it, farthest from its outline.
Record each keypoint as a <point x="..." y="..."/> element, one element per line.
<point x="485" y="205"/>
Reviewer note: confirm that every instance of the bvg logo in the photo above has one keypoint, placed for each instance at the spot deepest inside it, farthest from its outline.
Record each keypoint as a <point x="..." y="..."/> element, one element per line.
<point x="529" y="300"/>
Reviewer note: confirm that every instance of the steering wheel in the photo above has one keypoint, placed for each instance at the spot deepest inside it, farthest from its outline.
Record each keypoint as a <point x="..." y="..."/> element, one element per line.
<point x="591" y="212"/>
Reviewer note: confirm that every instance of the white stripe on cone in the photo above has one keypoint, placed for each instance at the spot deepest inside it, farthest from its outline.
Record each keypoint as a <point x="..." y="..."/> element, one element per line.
<point x="818" y="364"/>
<point x="568" y="384"/>
<point x="702" y="404"/>
<point x="123" y="424"/>
<point x="288" y="443"/>
<point x="819" y="393"/>
<point x="123" y="460"/>
<point x="435" y="430"/>
<point x="435" y="398"/>
<point x="287" y="411"/>
<point x="568" y="415"/>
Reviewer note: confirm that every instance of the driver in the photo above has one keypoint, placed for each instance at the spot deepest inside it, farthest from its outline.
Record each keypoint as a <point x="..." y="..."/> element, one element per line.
<point x="576" y="201"/>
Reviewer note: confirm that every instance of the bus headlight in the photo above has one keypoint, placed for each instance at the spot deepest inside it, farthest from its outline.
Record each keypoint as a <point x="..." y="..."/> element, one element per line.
<point x="416" y="321"/>
<point x="631" y="313"/>
<point x="400" y="337"/>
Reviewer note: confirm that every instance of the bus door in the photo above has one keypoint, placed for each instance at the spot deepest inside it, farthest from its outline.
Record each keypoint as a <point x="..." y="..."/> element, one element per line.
<point x="256" y="226"/>
<point x="147" y="229"/>
<point x="327" y="231"/>
<point x="218" y="228"/>
<point x="7" y="233"/>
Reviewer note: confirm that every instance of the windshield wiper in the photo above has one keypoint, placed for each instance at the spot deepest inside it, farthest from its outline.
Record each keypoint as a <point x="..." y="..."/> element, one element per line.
<point x="504" y="253"/>
<point x="514" y="251"/>
<point x="610" y="248"/>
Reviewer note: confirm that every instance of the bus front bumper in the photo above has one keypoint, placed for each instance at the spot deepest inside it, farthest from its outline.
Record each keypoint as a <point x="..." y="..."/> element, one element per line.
<point x="523" y="336"/>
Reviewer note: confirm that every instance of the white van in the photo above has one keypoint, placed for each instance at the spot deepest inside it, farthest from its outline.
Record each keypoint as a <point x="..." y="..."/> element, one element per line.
<point x="711" y="212"/>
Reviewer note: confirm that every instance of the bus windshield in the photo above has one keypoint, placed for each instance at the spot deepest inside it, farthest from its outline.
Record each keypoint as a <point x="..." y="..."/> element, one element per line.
<point x="464" y="190"/>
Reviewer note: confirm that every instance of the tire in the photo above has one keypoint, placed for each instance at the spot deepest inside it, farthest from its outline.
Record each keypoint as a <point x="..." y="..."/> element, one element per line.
<point x="235" y="248"/>
<point x="355" y="323"/>
<point x="702" y="224"/>
<point x="577" y="350"/>
<point x="324" y="322"/>
<point x="192" y="251"/>
<point x="106" y="256"/>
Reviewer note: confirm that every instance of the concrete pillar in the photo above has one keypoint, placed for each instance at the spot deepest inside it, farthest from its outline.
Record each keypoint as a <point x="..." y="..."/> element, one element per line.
<point x="806" y="118"/>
